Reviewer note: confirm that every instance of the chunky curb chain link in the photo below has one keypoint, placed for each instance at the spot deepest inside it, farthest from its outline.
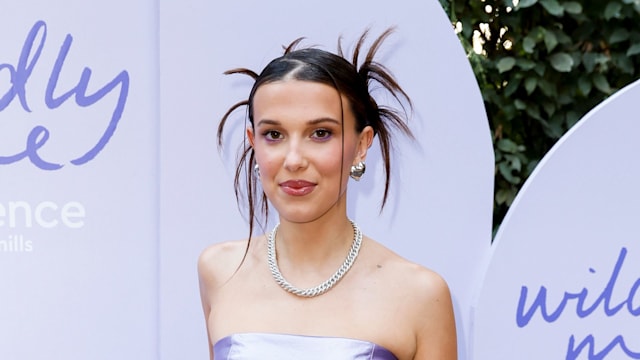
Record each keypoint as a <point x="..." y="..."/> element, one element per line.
<point x="325" y="286"/>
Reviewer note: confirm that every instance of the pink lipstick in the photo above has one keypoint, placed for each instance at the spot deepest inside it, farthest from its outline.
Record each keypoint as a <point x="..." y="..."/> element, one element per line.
<point x="297" y="187"/>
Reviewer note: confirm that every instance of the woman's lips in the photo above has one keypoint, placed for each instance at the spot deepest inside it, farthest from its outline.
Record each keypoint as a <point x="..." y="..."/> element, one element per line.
<point x="297" y="187"/>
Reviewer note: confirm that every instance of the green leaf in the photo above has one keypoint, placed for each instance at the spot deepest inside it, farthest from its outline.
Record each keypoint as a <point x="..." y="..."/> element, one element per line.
<point x="507" y="174"/>
<point x="634" y="49"/>
<point x="589" y="61"/>
<point x="577" y="58"/>
<point x="612" y="10"/>
<point x="564" y="98"/>
<point x="501" y="196"/>
<point x="571" y="118"/>
<point x="618" y="35"/>
<point x="550" y="40"/>
<point x="549" y="108"/>
<point x="514" y="161"/>
<point x="533" y="111"/>
<point x="623" y="63"/>
<point x="584" y="85"/>
<point x="572" y="7"/>
<point x="512" y="86"/>
<point x="467" y="29"/>
<point x="510" y="111"/>
<point x="601" y="83"/>
<point x="532" y="165"/>
<point x="505" y="64"/>
<point x="553" y="7"/>
<point x="519" y="104"/>
<point x="563" y="38"/>
<point x="525" y="64"/>
<point x="548" y="88"/>
<point x="505" y="196"/>
<point x="602" y="59"/>
<point x="530" y="84"/>
<point x="528" y="44"/>
<point x="540" y="69"/>
<point x="555" y="126"/>
<point x="562" y="62"/>
<point x="507" y="145"/>
<point x="526" y="3"/>
<point x="537" y="33"/>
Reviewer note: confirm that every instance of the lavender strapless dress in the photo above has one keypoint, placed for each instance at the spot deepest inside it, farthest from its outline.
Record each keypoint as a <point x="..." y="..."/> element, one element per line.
<point x="262" y="346"/>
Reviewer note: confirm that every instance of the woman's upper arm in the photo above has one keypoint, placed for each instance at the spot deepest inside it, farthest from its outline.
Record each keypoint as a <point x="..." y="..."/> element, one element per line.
<point x="436" y="331"/>
<point x="216" y="265"/>
<point x="206" y="279"/>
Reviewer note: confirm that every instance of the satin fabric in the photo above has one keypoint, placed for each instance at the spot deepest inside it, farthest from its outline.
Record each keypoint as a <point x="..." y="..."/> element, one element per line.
<point x="254" y="346"/>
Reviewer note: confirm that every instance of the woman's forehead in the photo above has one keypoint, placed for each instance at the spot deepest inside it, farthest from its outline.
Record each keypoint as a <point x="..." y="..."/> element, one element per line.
<point x="300" y="102"/>
<point x="298" y="93"/>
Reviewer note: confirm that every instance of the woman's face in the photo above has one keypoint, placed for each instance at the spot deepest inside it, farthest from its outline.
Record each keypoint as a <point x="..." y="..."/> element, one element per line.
<point x="298" y="137"/>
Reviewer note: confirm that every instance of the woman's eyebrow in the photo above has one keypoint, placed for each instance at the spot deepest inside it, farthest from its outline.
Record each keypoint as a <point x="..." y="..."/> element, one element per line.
<point x="267" y="122"/>
<point x="323" y="120"/>
<point x="310" y="122"/>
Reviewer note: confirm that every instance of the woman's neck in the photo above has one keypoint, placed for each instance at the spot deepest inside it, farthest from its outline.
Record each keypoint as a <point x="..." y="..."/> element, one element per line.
<point x="314" y="245"/>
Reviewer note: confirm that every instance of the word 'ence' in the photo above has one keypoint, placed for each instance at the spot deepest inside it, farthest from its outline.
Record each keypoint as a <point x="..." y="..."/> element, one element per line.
<point x="53" y="98"/>
<point x="46" y="214"/>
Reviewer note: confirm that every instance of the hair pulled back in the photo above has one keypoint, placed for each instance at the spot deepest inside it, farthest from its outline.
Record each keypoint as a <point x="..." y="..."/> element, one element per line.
<point x="350" y="79"/>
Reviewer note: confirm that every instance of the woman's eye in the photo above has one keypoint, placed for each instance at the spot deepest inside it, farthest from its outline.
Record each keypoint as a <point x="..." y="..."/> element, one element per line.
<point x="321" y="134"/>
<point x="272" y="135"/>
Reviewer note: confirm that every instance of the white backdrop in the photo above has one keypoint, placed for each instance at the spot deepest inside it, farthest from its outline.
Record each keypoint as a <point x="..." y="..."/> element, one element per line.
<point x="439" y="212"/>
<point x="78" y="174"/>
<point x="111" y="184"/>
<point x="564" y="281"/>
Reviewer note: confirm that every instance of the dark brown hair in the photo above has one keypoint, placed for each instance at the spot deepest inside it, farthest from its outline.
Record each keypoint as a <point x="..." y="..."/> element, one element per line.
<point x="350" y="79"/>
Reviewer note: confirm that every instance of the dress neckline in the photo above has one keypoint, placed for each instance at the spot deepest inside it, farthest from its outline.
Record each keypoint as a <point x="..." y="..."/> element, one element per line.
<point x="285" y="335"/>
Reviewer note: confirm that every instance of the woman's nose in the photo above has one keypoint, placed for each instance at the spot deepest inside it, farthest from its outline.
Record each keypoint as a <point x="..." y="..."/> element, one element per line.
<point x="295" y="158"/>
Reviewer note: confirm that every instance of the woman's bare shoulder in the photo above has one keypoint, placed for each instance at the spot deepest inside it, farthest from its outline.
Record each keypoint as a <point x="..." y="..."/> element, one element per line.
<point x="218" y="262"/>
<point x="427" y="290"/>
<point x="430" y="305"/>
<point x="424" y="282"/>
<point x="413" y="277"/>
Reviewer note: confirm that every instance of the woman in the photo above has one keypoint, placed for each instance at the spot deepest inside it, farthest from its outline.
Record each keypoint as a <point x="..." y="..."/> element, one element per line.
<point x="314" y="287"/>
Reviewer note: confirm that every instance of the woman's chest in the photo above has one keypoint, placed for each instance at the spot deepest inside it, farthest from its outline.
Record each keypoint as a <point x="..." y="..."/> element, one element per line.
<point x="365" y="315"/>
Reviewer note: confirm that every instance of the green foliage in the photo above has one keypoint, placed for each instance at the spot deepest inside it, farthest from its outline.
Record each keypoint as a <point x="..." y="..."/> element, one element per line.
<point x="543" y="65"/>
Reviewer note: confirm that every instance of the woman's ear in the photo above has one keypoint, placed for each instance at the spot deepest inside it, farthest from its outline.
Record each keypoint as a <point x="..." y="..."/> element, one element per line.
<point x="250" y="136"/>
<point x="364" y="143"/>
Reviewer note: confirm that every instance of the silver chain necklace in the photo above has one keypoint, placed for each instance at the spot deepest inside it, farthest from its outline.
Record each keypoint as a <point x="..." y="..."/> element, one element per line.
<point x="325" y="286"/>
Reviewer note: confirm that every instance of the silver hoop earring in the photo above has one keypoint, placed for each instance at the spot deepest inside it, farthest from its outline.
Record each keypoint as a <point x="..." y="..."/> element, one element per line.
<point x="256" y="170"/>
<point x="357" y="170"/>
